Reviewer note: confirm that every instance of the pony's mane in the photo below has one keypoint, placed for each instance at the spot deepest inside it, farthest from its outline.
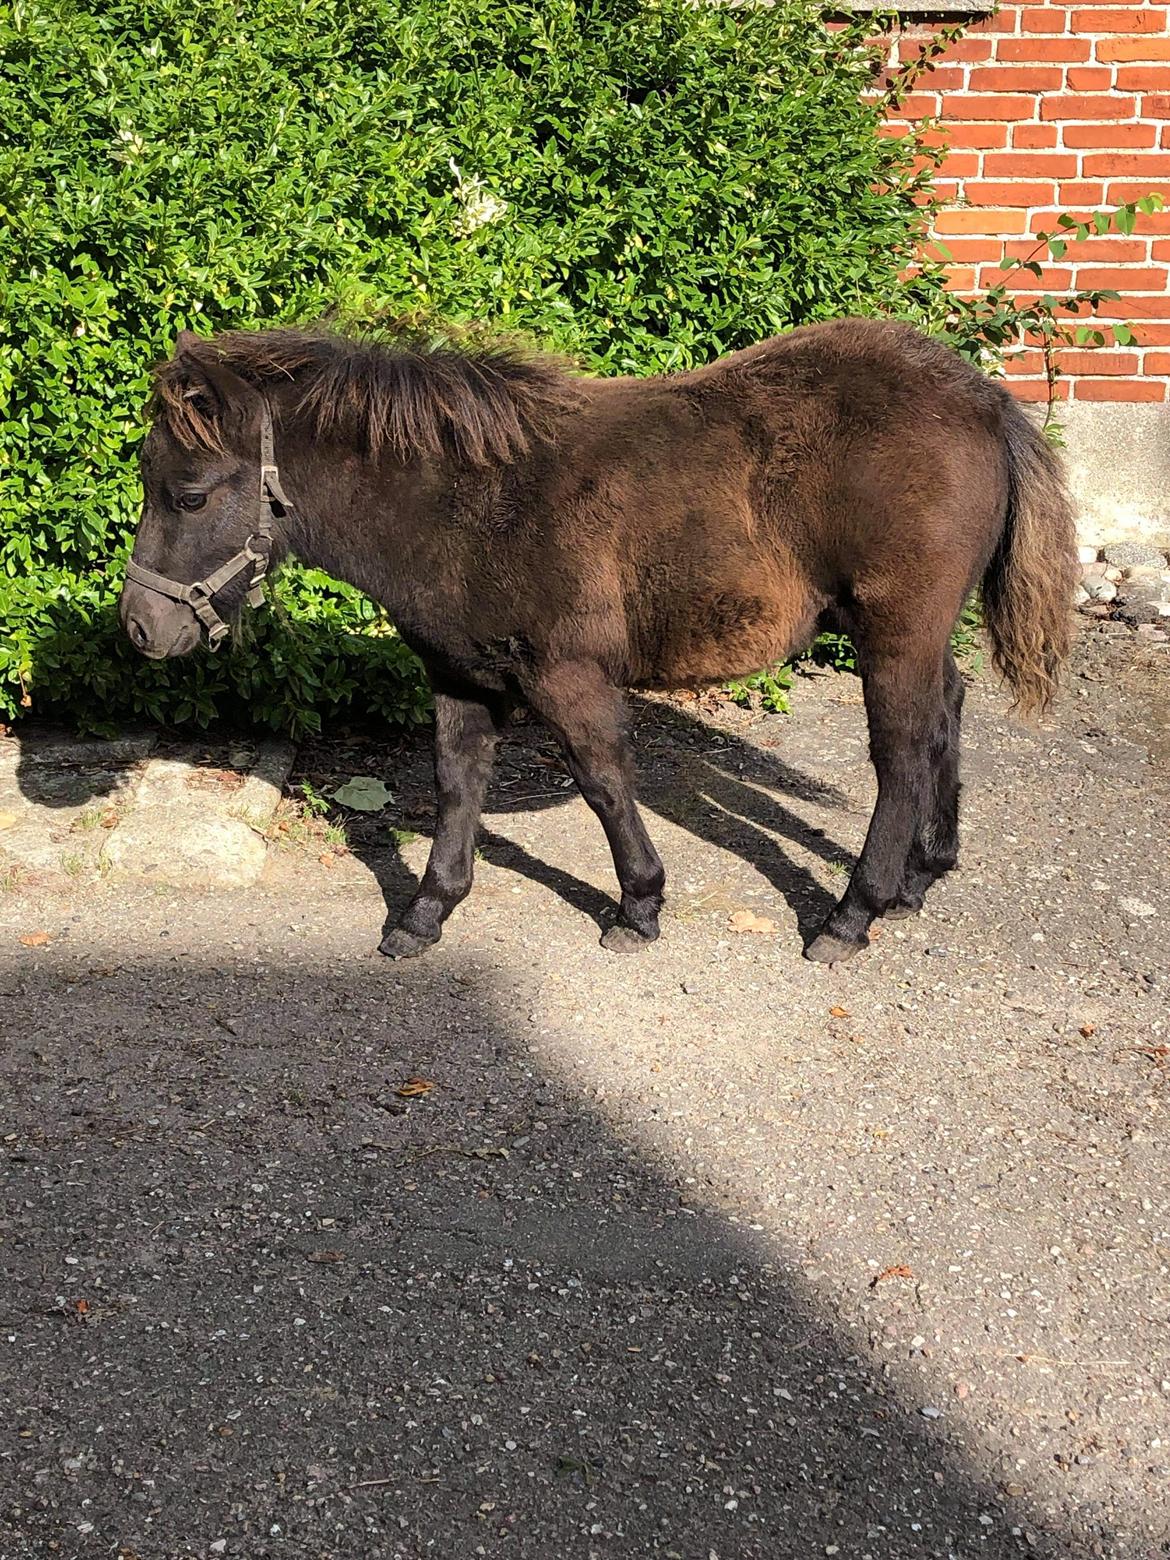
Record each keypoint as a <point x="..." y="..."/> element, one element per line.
<point x="482" y="404"/>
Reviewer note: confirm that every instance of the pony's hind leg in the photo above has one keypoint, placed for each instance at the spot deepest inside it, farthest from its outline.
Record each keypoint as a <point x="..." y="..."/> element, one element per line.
<point x="466" y="732"/>
<point x="587" y="715"/>
<point x="904" y="700"/>
<point x="936" y="845"/>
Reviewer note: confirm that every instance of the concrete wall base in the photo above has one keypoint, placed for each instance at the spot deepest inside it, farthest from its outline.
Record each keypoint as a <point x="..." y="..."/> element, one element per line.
<point x="1118" y="460"/>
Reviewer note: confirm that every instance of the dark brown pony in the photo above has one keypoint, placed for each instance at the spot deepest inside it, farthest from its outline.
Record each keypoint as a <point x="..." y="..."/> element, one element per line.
<point x="546" y="539"/>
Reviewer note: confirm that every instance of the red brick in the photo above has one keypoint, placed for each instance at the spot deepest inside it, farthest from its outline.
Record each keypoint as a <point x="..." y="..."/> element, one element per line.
<point x="1153" y="166"/>
<point x="1102" y="250"/>
<point x="1038" y="390"/>
<point x="1034" y="135"/>
<point x="1136" y="189"/>
<point x="942" y="78"/>
<point x="1029" y="362"/>
<point x="1119" y="21"/>
<point x="1155" y="222"/>
<point x="1029" y="165"/>
<point x="1014" y="192"/>
<point x="1159" y="250"/>
<point x="1133" y="49"/>
<point x="980" y="105"/>
<point x="1165" y="141"/>
<point x="1156" y="105"/>
<point x="1119" y="390"/>
<point x="960" y="248"/>
<point x="1154" y="305"/>
<point x="1089" y="78"/>
<point x="970" y="50"/>
<point x="1131" y="279"/>
<point x="1078" y="192"/>
<point x="967" y="135"/>
<point x="1023" y="283"/>
<point x="1144" y="78"/>
<point x="1041" y="50"/>
<point x="963" y="165"/>
<point x="1044" y="19"/>
<point x="1151" y="335"/>
<point x="1128" y="137"/>
<point x="961" y="278"/>
<point x="980" y="221"/>
<point x="1015" y="78"/>
<point x="1098" y="361"/>
<point x="1086" y="105"/>
<point x="918" y="105"/>
<point x="1156" y="363"/>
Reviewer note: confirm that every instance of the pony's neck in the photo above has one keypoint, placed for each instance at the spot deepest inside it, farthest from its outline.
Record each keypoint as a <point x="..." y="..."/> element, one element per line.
<point x="374" y="524"/>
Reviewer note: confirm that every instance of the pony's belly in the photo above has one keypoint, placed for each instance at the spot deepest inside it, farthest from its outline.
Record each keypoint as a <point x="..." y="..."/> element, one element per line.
<point x="726" y="637"/>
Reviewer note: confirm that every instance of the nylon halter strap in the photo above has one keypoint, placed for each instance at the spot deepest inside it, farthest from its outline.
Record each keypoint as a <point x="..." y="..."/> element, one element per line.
<point x="255" y="552"/>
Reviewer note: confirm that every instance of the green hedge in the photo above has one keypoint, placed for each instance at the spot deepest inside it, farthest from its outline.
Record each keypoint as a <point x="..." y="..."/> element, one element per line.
<point x="643" y="185"/>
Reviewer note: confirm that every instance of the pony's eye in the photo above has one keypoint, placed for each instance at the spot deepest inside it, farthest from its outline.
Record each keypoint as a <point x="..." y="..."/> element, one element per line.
<point x="191" y="500"/>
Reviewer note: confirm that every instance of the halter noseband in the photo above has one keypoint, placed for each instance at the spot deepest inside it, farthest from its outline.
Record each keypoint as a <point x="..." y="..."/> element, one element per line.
<point x="255" y="551"/>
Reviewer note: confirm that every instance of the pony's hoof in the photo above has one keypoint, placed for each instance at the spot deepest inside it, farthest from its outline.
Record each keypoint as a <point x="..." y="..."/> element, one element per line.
<point x="827" y="949"/>
<point x="401" y="944"/>
<point x="624" y="939"/>
<point x="902" y="911"/>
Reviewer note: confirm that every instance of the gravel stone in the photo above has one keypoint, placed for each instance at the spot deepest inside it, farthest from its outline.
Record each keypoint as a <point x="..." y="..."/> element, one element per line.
<point x="1127" y="555"/>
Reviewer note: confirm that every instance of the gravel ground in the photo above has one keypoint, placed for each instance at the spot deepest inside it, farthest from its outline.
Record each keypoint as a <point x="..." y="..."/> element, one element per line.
<point x="707" y="1252"/>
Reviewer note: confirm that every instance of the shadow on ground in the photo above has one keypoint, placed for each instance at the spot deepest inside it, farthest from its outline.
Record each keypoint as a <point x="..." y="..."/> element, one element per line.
<point x="254" y="1299"/>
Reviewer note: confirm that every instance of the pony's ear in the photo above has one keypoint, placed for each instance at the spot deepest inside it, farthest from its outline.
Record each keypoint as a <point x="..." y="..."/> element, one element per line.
<point x="217" y="401"/>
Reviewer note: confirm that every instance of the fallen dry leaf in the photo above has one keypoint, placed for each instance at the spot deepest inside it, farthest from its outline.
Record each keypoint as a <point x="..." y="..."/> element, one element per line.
<point x="326" y="859"/>
<point x="899" y="1270"/>
<point x="35" y="939"/>
<point x="749" y="921"/>
<point x="326" y="1256"/>
<point x="1088" y="1029"/>
<point x="839" y="1012"/>
<point x="413" y="1088"/>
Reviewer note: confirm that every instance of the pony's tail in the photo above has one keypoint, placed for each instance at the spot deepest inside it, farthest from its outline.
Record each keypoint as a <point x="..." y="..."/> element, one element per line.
<point x="1029" y="584"/>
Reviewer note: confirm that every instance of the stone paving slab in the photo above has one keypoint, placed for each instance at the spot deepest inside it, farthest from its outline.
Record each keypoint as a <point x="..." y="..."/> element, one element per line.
<point x="196" y="828"/>
<point x="59" y="792"/>
<point x="193" y="816"/>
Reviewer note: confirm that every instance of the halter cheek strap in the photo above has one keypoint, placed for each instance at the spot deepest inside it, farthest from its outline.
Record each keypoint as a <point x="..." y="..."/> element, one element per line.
<point x="255" y="552"/>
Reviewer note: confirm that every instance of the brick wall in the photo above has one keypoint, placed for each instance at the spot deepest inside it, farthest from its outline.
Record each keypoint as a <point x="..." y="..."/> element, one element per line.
<point x="1047" y="108"/>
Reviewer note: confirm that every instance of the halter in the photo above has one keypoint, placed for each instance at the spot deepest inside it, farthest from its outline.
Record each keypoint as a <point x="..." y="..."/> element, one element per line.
<point x="255" y="551"/>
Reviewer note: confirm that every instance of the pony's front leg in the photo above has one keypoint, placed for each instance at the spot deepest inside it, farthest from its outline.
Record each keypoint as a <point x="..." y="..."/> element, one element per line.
<point x="466" y="733"/>
<point x="587" y="715"/>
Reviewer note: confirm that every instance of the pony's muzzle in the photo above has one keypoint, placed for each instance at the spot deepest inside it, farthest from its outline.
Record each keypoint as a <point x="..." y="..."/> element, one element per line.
<point x="156" y="627"/>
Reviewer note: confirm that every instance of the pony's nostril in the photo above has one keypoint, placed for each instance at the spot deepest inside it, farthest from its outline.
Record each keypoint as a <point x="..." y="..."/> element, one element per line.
<point x="138" y="634"/>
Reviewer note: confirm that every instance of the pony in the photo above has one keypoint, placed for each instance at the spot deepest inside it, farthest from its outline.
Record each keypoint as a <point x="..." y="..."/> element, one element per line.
<point x="544" y="538"/>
